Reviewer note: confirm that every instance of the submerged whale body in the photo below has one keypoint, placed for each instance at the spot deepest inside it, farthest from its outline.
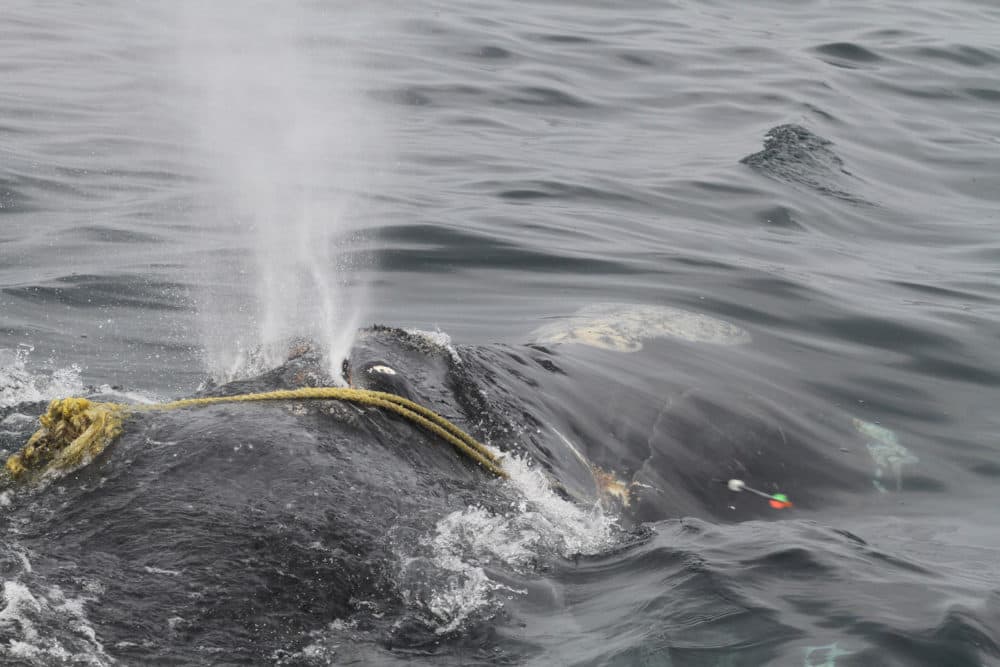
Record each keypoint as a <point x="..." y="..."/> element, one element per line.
<point x="238" y="528"/>
<point x="234" y="533"/>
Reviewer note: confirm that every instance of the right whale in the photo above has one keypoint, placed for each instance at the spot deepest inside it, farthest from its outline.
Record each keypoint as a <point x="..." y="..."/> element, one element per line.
<point x="241" y="530"/>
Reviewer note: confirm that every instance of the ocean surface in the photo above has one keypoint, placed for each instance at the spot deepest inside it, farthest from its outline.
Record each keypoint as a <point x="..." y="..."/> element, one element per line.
<point x="814" y="184"/>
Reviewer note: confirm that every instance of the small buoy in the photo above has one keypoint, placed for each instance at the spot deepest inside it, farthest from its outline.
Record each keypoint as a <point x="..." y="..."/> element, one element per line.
<point x="778" y="501"/>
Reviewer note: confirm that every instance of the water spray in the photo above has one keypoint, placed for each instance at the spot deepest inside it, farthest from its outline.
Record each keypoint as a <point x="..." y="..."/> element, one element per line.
<point x="778" y="501"/>
<point x="272" y="99"/>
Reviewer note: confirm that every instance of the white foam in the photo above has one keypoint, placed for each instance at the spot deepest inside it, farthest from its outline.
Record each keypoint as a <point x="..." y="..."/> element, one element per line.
<point x="25" y="562"/>
<point x="18" y="384"/>
<point x="466" y="592"/>
<point x="238" y="362"/>
<point x="318" y="652"/>
<point x="438" y="339"/>
<point x="481" y="536"/>
<point x="24" y="612"/>
<point x="446" y="588"/>
<point x="17" y="421"/>
<point x="451" y="584"/>
<point x="28" y="651"/>
<point x="18" y="601"/>
<point x="569" y="529"/>
<point x="127" y="396"/>
<point x="158" y="570"/>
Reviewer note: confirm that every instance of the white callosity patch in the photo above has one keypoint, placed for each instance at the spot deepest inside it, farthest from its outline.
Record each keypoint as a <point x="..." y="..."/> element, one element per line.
<point x="18" y="384"/>
<point x="886" y="452"/>
<point x="449" y="580"/>
<point x="624" y="327"/>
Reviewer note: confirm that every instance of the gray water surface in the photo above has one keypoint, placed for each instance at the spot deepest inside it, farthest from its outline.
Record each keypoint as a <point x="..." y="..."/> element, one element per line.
<point x="824" y="176"/>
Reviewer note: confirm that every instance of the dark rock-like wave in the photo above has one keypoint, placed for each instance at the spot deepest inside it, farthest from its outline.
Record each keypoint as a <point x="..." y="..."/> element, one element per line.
<point x="797" y="156"/>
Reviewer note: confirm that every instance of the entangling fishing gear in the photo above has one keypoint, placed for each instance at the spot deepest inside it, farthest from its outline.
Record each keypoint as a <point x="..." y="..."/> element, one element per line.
<point x="75" y="430"/>
<point x="778" y="501"/>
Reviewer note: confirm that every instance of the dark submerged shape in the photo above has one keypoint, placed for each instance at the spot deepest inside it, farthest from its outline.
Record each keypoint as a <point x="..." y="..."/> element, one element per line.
<point x="797" y="156"/>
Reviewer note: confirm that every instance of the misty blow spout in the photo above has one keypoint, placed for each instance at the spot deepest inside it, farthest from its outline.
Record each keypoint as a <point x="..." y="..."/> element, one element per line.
<point x="284" y="138"/>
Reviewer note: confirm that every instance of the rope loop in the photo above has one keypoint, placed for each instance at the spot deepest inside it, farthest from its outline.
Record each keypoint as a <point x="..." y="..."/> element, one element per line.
<point x="75" y="430"/>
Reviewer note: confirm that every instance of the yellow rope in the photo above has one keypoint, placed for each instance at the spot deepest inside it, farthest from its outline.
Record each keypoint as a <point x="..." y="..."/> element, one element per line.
<point x="75" y="429"/>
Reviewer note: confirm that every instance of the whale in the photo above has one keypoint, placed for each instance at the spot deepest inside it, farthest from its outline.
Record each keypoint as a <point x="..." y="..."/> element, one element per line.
<point x="233" y="533"/>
